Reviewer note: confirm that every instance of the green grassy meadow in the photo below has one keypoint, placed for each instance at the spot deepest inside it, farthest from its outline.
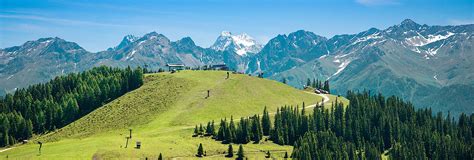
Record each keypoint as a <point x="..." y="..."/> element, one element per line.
<point x="162" y="115"/>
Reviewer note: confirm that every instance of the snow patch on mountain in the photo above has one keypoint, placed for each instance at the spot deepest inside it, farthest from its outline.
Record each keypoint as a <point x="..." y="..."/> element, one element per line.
<point x="369" y="37"/>
<point x="258" y="66"/>
<point x="421" y="40"/>
<point x="131" y="38"/>
<point x="240" y="44"/>
<point x="130" y="55"/>
<point x="47" y="41"/>
<point x="342" y="66"/>
<point x="433" y="51"/>
<point x="141" y="42"/>
<point x="415" y="50"/>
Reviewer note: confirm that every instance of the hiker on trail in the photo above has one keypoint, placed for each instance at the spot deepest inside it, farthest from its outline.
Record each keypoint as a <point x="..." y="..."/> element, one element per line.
<point x="227" y="75"/>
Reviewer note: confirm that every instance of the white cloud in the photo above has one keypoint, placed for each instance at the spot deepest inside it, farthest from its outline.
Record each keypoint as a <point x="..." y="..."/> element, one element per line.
<point x="60" y="20"/>
<point x="377" y="2"/>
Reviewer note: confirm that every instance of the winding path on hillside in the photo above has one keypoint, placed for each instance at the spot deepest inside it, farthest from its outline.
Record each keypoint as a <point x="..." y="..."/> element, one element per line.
<point x="6" y="149"/>
<point x="325" y="100"/>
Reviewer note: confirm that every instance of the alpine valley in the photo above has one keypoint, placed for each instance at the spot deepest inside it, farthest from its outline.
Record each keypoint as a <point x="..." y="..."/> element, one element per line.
<point x="428" y="65"/>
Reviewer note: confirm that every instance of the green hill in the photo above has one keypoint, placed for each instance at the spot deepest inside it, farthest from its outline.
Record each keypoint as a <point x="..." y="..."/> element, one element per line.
<point x="162" y="114"/>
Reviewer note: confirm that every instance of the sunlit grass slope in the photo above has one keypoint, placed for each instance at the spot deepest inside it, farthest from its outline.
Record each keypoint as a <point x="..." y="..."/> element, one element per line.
<point x="162" y="114"/>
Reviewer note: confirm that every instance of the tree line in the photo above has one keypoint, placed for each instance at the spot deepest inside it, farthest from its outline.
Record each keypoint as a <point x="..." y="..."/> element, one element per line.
<point x="47" y="106"/>
<point x="368" y="127"/>
<point x="317" y="84"/>
<point x="373" y="124"/>
<point x="248" y="129"/>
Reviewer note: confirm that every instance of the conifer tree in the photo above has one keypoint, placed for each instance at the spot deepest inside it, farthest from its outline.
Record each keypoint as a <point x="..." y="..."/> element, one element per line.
<point x="196" y="131"/>
<point x="243" y="133"/>
<point x="256" y="129"/>
<point x="230" y="151"/>
<point x="6" y="139"/>
<point x="160" y="157"/>
<point x="320" y="85"/>
<point x="208" y="129"/>
<point x="266" y="123"/>
<point x="303" y="109"/>
<point x="200" y="151"/>
<point x="222" y="131"/>
<point x="240" y="153"/>
<point x="213" y="129"/>
<point x="326" y="86"/>
<point x="201" y="129"/>
<point x="232" y="131"/>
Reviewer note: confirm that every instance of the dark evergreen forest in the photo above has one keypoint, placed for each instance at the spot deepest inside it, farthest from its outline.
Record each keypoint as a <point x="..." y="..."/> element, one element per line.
<point x="369" y="126"/>
<point x="45" y="107"/>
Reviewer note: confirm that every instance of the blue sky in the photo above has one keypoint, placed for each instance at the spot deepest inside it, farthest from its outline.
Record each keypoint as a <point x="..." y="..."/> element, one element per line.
<point x="98" y="25"/>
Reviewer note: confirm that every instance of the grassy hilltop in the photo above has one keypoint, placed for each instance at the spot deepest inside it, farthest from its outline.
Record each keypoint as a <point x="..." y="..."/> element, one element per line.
<point x="162" y="114"/>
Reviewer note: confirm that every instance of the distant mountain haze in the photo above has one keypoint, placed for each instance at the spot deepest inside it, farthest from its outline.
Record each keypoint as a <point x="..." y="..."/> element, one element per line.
<point x="432" y="66"/>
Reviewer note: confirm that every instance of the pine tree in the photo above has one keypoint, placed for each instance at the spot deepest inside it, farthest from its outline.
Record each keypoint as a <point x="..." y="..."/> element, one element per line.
<point x="200" y="151"/>
<point x="240" y="153"/>
<point x="227" y="136"/>
<point x="320" y="84"/>
<point x="256" y="129"/>
<point x="303" y="110"/>
<point x="222" y="131"/>
<point x="201" y="130"/>
<point x="208" y="129"/>
<point x="160" y="157"/>
<point x="6" y="138"/>
<point x="230" y="151"/>
<point x="196" y="131"/>
<point x="213" y="129"/>
<point x="231" y="131"/>
<point x="266" y="123"/>
<point x="243" y="134"/>
<point x="326" y="86"/>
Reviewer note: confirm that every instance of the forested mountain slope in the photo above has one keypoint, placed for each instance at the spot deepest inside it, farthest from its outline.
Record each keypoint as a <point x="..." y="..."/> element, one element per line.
<point x="162" y="114"/>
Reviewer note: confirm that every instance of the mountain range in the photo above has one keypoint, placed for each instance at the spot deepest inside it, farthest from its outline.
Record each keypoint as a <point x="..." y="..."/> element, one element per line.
<point x="432" y="66"/>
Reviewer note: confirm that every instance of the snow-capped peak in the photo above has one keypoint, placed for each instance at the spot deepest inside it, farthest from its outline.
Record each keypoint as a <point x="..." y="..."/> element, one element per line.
<point x="226" y="33"/>
<point x="130" y="38"/>
<point x="240" y="44"/>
